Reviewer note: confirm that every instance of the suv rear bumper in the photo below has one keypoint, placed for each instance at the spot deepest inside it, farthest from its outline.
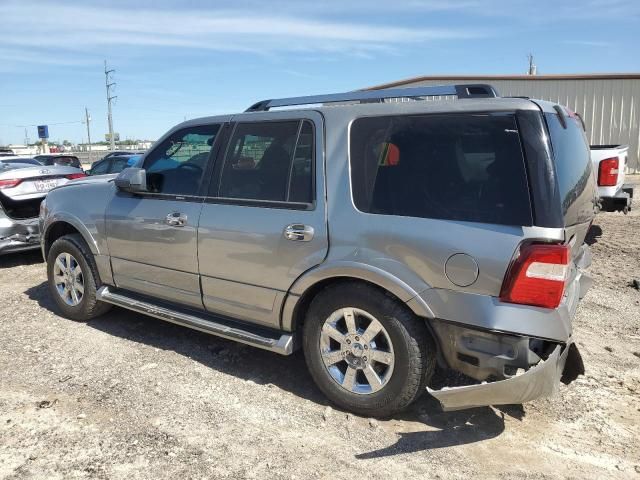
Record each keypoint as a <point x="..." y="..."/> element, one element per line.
<point x="541" y="380"/>
<point x="18" y="235"/>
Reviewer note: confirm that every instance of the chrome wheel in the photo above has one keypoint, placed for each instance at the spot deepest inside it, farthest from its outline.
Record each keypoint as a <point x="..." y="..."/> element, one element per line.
<point x="356" y="351"/>
<point x="68" y="279"/>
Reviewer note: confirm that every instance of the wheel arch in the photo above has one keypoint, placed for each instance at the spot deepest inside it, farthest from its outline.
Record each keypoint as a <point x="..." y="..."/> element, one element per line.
<point x="65" y="225"/>
<point x="309" y="285"/>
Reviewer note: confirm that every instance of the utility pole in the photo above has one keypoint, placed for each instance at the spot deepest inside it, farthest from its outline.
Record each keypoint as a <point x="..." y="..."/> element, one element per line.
<point x="533" y="70"/>
<point x="87" y="119"/>
<point x="26" y="138"/>
<point x="108" y="76"/>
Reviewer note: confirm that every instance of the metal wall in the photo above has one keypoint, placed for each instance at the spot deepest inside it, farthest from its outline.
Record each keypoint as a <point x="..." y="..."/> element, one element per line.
<point x="610" y="107"/>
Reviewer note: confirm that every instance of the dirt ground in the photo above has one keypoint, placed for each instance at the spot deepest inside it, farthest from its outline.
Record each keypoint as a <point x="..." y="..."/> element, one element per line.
<point x="126" y="396"/>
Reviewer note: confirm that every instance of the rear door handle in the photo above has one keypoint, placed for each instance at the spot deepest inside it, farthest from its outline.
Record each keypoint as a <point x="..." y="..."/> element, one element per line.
<point x="176" y="219"/>
<point x="298" y="232"/>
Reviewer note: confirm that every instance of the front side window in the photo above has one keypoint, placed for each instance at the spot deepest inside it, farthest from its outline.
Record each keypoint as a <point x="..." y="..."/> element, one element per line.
<point x="453" y="167"/>
<point x="177" y="165"/>
<point x="100" y="167"/>
<point x="119" y="163"/>
<point x="269" y="161"/>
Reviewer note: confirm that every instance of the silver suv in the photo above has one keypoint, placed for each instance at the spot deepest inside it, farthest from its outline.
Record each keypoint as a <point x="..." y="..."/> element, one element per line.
<point x="380" y="232"/>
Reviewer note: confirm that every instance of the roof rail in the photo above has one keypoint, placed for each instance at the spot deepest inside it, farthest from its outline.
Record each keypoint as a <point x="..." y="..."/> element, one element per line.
<point x="475" y="90"/>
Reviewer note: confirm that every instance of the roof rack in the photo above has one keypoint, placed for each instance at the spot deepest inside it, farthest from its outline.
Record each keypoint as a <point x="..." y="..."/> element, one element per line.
<point x="475" y="90"/>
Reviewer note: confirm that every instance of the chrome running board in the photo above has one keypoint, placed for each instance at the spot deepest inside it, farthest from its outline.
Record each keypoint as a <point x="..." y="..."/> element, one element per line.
<point x="277" y="342"/>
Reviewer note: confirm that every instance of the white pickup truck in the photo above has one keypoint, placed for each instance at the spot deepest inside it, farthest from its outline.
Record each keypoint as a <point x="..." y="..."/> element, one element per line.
<point x="609" y="164"/>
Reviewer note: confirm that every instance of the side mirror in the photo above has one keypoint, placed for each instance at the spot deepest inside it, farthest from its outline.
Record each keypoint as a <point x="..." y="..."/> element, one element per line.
<point x="133" y="180"/>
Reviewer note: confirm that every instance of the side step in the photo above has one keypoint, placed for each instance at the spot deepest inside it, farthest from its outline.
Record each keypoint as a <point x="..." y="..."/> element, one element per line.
<point x="277" y="342"/>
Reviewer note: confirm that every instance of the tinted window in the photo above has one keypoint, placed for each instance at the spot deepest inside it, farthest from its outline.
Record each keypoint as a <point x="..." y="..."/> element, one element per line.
<point x="119" y="163"/>
<point x="176" y="166"/>
<point x="100" y="167"/>
<point x="456" y="167"/>
<point x="572" y="160"/>
<point x="269" y="161"/>
<point x="63" y="160"/>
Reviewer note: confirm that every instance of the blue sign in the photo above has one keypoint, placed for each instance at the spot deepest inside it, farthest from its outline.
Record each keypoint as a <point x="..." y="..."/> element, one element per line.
<point x="43" y="131"/>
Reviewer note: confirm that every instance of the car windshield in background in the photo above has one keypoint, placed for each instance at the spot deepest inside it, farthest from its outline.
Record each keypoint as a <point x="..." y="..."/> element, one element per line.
<point x="65" y="160"/>
<point x="454" y="167"/>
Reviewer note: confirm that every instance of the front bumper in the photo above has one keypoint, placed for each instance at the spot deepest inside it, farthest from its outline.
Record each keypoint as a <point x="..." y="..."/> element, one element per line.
<point x="542" y="380"/>
<point x="18" y="235"/>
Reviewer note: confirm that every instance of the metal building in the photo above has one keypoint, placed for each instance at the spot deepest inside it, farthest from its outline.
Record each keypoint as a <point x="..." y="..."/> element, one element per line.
<point x="608" y="103"/>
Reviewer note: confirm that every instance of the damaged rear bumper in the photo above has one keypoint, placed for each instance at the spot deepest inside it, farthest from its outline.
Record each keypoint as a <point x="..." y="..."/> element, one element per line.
<point x="563" y="364"/>
<point x="18" y="235"/>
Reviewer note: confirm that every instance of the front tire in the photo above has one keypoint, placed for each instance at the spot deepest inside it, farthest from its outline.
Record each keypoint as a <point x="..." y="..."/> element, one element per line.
<point x="365" y="350"/>
<point x="73" y="279"/>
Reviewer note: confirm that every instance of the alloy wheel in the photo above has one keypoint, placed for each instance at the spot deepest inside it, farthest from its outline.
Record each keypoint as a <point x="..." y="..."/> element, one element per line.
<point x="68" y="279"/>
<point x="356" y="351"/>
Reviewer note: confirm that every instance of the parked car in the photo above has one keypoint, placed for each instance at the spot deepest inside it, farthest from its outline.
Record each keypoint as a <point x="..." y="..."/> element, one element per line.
<point x="609" y="163"/>
<point x="59" y="159"/>
<point x="380" y="237"/>
<point x="23" y="185"/>
<point x="113" y="164"/>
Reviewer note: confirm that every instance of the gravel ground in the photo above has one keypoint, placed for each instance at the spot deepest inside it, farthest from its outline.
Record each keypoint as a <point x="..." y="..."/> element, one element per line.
<point x="126" y="396"/>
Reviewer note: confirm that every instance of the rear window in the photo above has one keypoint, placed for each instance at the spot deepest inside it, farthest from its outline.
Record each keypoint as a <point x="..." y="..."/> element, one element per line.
<point x="453" y="167"/>
<point x="572" y="160"/>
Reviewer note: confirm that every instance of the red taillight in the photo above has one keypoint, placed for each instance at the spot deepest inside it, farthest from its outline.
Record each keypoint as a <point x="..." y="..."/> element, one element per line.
<point x="608" y="172"/>
<point x="14" y="182"/>
<point x="75" y="175"/>
<point x="538" y="276"/>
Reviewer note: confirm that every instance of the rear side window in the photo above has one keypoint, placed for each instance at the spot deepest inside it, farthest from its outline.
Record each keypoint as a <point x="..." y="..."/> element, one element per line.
<point x="572" y="159"/>
<point x="453" y="167"/>
<point x="269" y="161"/>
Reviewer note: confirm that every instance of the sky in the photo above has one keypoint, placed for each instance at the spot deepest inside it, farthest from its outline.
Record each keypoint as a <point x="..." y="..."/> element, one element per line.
<point x="176" y="60"/>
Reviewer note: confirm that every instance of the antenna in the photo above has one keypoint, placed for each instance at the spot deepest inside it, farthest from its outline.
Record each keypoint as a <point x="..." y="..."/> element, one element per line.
<point x="108" y="75"/>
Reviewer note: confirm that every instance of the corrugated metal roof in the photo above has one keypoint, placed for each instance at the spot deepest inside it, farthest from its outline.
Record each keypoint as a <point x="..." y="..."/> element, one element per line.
<point x="472" y="78"/>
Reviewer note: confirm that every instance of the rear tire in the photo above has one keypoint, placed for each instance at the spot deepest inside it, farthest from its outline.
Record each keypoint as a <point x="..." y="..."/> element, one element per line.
<point x="377" y="375"/>
<point x="73" y="279"/>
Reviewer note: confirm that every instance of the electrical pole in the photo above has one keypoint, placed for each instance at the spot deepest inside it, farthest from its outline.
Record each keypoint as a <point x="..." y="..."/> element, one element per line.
<point x="110" y="86"/>
<point x="533" y="70"/>
<point x="87" y="119"/>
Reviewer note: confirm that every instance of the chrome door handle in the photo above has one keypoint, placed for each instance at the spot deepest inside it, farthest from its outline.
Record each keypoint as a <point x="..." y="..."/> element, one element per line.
<point x="298" y="233"/>
<point x="176" y="219"/>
